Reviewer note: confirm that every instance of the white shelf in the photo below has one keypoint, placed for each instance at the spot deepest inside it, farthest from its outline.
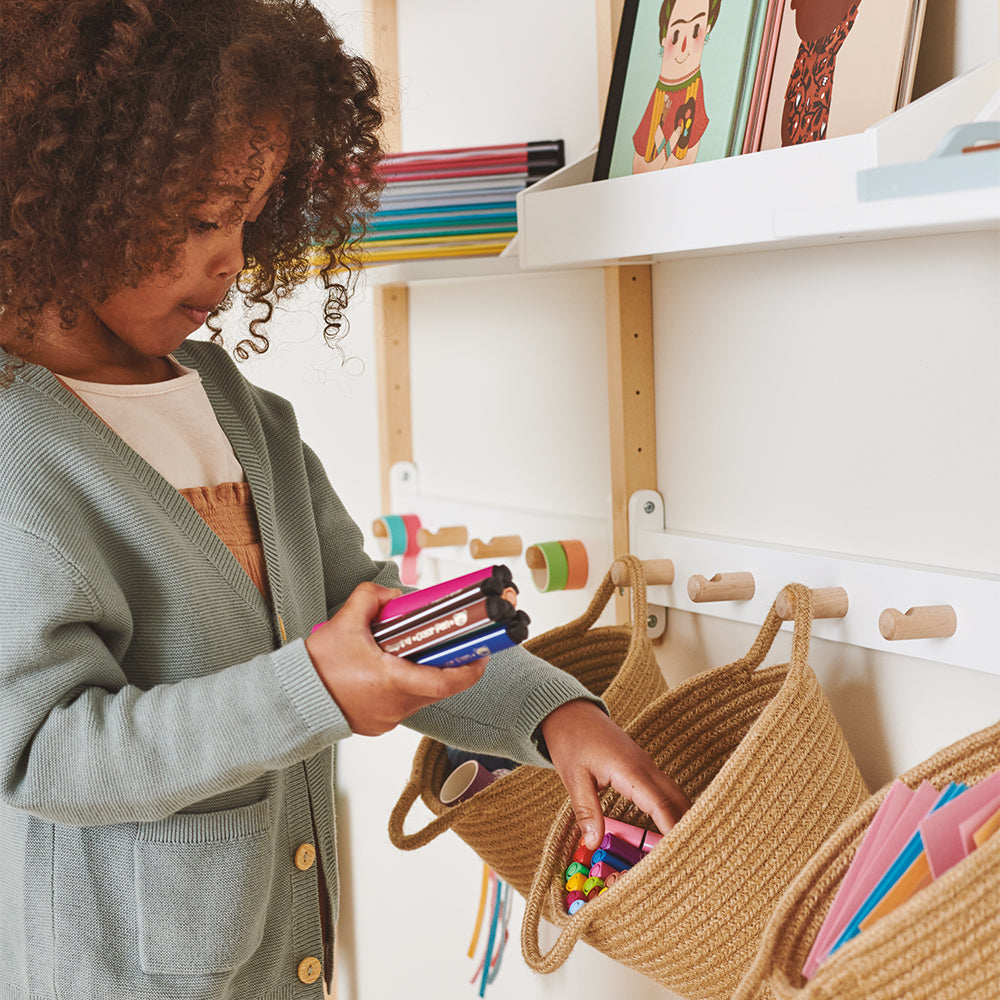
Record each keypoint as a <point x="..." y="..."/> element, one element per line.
<point x="444" y="269"/>
<point x="795" y="196"/>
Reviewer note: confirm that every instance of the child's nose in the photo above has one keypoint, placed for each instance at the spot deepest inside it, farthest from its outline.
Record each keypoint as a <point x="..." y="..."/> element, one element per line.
<point x="229" y="261"/>
<point x="684" y="43"/>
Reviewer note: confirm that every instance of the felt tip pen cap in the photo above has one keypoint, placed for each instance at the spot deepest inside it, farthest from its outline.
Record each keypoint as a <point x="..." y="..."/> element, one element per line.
<point x="577" y="882"/>
<point x="583" y="854"/>
<point x="573" y="897"/>
<point x="621" y="849"/>
<point x="611" y="879"/>
<point x="608" y="858"/>
<point x="576" y="867"/>
<point x="593" y="883"/>
<point x="575" y="905"/>
<point x="602" y="870"/>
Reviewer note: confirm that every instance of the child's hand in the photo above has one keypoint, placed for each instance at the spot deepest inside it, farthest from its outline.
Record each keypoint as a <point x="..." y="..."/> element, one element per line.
<point x="591" y="752"/>
<point x="374" y="689"/>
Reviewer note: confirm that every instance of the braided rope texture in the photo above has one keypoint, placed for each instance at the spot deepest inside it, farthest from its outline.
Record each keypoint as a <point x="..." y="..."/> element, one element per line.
<point x="507" y="822"/>
<point x="942" y="944"/>
<point x="770" y="776"/>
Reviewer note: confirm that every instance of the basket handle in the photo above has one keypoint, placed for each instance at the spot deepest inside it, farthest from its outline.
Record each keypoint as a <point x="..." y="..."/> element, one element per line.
<point x="576" y="926"/>
<point x="800" y="597"/>
<point x="637" y="584"/>
<point x="437" y="826"/>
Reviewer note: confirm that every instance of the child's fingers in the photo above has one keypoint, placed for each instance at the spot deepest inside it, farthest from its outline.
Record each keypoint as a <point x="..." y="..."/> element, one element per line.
<point x="586" y="806"/>
<point x="431" y="684"/>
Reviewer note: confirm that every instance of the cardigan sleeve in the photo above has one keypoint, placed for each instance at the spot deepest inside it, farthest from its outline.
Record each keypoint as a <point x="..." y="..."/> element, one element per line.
<point x="501" y="714"/>
<point x="81" y="745"/>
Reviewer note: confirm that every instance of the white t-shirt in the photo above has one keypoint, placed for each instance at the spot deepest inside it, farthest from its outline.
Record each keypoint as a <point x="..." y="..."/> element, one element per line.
<point x="170" y="424"/>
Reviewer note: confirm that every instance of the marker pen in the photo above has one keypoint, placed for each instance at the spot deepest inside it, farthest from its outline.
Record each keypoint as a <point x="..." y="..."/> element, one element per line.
<point x="645" y="840"/>
<point x="602" y="870"/>
<point x="574" y="897"/>
<point x="593" y="883"/>
<point x="576" y="882"/>
<point x="608" y="858"/>
<point x="621" y="849"/>
<point x="576" y="868"/>
<point x="479" y="644"/>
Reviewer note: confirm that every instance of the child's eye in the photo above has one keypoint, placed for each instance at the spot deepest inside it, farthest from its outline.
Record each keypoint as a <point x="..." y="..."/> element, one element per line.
<point x="676" y="35"/>
<point x="697" y="31"/>
<point x="201" y="226"/>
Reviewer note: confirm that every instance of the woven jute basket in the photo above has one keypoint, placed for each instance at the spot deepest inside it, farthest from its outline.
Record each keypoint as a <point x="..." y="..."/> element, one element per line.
<point x="615" y="662"/>
<point x="942" y="944"/>
<point x="770" y="776"/>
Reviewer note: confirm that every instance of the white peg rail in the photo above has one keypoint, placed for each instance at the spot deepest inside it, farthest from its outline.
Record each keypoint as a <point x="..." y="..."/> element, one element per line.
<point x="487" y="522"/>
<point x="872" y="587"/>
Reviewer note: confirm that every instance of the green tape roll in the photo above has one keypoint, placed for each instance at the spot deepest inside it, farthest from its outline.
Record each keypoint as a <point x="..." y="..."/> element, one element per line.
<point x="554" y="574"/>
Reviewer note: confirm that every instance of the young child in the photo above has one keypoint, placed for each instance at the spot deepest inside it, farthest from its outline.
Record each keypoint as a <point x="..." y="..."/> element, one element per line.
<point x="167" y="718"/>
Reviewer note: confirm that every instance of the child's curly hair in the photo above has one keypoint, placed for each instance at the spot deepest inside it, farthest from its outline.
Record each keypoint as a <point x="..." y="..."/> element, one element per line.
<point x="113" y="116"/>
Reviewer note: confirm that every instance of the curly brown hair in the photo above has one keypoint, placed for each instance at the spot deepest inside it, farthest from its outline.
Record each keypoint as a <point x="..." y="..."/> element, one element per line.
<point x="112" y="119"/>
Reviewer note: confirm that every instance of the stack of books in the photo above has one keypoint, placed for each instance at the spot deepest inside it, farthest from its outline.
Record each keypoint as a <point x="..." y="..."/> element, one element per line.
<point x="454" y="202"/>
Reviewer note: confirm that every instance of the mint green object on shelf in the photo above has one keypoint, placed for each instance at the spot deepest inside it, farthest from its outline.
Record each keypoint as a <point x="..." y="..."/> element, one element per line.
<point x="956" y="165"/>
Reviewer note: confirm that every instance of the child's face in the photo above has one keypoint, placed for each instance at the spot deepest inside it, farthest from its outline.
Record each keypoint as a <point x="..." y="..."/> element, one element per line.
<point x="685" y="39"/>
<point x="155" y="317"/>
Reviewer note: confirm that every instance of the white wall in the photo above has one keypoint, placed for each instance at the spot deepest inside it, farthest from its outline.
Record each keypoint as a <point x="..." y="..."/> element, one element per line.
<point x="885" y="357"/>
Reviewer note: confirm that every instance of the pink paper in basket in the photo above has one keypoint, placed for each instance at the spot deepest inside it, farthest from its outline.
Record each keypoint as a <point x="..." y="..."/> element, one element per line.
<point x="941" y="830"/>
<point x="888" y="814"/>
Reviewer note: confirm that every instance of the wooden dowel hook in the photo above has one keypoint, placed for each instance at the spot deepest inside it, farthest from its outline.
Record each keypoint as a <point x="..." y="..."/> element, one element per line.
<point x="656" y="571"/>
<point x="456" y="535"/>
<point x="933" y="621"/>
<point x="722" y="587"/>
<point x="498" y="547"/>
<point x="828" y="602"/>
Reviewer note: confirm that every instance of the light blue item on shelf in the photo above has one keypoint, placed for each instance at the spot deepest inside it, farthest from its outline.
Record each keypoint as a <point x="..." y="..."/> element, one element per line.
<point x="946" y="169"/>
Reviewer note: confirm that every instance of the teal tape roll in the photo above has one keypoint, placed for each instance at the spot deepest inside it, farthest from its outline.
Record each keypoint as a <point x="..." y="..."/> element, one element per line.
<point x="393" y="542"/>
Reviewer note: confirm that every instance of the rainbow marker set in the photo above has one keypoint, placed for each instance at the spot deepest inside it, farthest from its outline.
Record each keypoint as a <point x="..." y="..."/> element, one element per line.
<point x="454" y="622"/>
<point x="593" y="872"/>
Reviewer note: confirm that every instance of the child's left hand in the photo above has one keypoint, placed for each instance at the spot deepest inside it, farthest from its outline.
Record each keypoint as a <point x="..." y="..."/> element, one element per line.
<point x="590" y="752"/>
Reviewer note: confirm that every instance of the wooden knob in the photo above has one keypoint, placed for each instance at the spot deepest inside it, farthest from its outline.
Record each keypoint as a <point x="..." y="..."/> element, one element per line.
<point x="934" y="621"/>
<point x="828" y="602"/>
<point x="722" y="587"/>
<point x="656" y="571"/>
<point x="457" y="535"/>
<point x="502" y="545"/>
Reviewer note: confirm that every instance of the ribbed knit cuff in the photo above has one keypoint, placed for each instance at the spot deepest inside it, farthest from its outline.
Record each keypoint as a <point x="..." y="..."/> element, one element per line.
<point x="295" y="672"/>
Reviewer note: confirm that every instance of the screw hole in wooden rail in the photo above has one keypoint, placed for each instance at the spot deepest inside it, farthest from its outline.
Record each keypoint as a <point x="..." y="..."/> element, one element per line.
<point x="656" y="571"/>
<point x="933" y="621"/>
<point x="455" y="535"/>
<point x="721" y="587"/>
<point x="496" y="548"/>
<point x="828" y="602"/>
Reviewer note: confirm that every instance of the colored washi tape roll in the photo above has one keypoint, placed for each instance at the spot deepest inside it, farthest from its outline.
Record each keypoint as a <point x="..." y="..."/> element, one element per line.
<point x="558" y="565"/>
<point x="397" y="536"/>
<point x="548" y="564"/>
<point x="576" y="563"/>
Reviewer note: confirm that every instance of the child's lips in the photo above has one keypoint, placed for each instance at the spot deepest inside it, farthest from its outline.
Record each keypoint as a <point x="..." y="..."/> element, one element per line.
<point x="197" y="314"/>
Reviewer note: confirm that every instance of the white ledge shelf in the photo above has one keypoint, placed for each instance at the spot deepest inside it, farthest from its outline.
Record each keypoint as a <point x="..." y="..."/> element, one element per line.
<point x="797" y="196"/>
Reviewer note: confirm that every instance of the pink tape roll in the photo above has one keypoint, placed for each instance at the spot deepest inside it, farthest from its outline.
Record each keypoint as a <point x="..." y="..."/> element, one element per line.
<point x="465" y="781"/>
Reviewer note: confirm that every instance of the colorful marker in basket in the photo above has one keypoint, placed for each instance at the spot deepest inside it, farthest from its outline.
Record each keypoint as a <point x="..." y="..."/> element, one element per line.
<point x="622" y="847"/>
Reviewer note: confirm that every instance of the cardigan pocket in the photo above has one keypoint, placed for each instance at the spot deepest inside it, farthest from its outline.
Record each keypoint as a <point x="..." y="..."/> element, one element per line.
<point x="201" y="882"/>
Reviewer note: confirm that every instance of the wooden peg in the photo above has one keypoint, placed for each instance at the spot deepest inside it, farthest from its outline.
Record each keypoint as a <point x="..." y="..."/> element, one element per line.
<point x="828" y="602"/>
<point x="934" y="621"/>
<point x="457" y="535"/>
<point x="501" y="545"/>
<point x="656" y="571"/>
<point x="722" y="587"/>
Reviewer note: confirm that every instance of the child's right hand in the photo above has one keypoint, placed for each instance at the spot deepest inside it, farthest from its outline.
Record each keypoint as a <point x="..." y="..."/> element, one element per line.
<point x="374" y="689"/>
